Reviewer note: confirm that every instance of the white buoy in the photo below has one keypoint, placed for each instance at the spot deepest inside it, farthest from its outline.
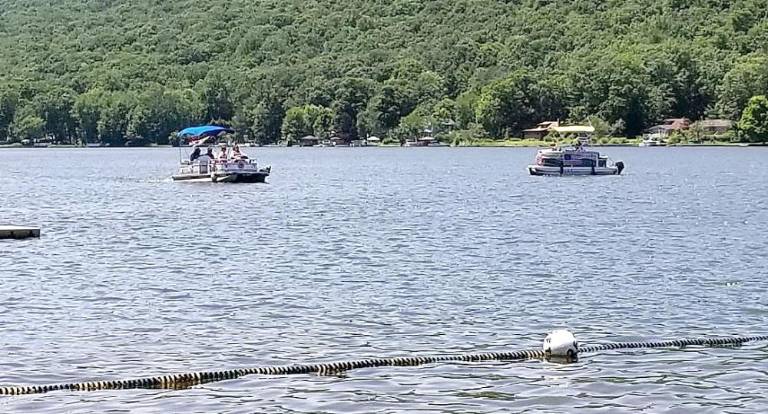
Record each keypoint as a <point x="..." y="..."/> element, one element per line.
<point x="561" y="343"/>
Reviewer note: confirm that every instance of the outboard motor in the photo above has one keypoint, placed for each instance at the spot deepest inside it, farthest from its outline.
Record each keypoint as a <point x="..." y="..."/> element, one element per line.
<point x="619" y="166"/>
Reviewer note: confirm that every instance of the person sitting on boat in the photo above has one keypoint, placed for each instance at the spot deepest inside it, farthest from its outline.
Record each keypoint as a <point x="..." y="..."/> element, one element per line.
<point x="195" y="154"/>
<point x="236" y="154"/>
<point x="223" y="154"/>
<point x="207" y="157"/>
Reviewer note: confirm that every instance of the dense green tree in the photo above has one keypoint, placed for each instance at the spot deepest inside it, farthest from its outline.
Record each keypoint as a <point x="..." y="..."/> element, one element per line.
<point x="87" y="112"/>
<point x="505" y="107"/>
<point x="754" y="121"/>
<point x="350" y="97"/>
<point x="295" y="125"/>
<point x="267" y="121"/>
<point x="307" y="120"/>
<point x="385" y="109"/>
<point x="8" y="102"/>
<point x="618" y="87"/>
<point x="160" y="112"/>
<point x="373" y="64"/>
<point x="748" y="78"/>
<point x="261" y="120"/>
<point x="216" y="97"/>
<point x="320" y="119"/>
<point x="465" y="109"/>
<point x="114" y="118"/>
<point x="678" y="74"/>
<point x="27" y="125"/>
<point x="445" y="111"/>
<point x="414" y="124"/>
<point x="55" y="108"/>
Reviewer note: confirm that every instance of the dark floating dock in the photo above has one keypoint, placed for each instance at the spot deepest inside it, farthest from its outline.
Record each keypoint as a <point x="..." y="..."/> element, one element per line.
<point x="18" y="232"/>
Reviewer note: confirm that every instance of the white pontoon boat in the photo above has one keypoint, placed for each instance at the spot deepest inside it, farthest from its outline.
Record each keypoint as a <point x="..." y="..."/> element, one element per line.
<point x="573" y="161"/>
<point x="236" y="168"/>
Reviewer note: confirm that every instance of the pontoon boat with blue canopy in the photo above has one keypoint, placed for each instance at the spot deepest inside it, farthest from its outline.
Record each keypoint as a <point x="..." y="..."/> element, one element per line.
<point x="226" y="167"/>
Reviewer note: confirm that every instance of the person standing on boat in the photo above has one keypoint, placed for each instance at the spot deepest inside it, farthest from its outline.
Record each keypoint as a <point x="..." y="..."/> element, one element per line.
<point x="207" y="157"/>
<point x="195" y="154"/>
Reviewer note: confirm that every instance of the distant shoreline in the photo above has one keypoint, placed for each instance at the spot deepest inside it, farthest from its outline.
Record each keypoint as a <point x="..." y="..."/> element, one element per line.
<point x="722" y="144"/>
<point x="478" y="145"/>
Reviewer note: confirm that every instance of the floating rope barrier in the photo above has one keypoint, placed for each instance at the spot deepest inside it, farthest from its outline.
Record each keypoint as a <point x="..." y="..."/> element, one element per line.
<point x="564" y="345"/>
<point x="673" y="343"/>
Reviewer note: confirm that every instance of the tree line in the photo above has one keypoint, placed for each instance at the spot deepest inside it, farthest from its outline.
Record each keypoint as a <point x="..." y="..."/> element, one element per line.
<point x="99" y="71"/>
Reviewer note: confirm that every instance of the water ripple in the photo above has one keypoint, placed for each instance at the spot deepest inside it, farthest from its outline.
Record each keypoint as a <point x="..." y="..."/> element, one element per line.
<point x="355" y="253"/>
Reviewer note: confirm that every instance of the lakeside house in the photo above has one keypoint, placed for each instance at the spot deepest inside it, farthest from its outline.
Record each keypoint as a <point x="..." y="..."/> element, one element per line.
<point x="423" y="141"/>
<point x="712" y="129"/>
<point x="334" y="141"/>
<point x="666" y="128"/>
<point x="365" y="142"/>
<point x="372" y="141"/>
<point x="337" y="141"/>
<point x="419" y="141"/>
<point x="540" y="130"/>
<point x="308" y="141"/>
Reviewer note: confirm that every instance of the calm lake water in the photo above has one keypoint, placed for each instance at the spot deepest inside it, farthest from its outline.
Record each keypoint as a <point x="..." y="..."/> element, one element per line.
<point x="361" y="252"/>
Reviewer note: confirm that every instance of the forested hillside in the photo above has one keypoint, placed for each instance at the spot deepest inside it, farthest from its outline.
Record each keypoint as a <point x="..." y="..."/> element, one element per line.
<point x="109" y="71"/>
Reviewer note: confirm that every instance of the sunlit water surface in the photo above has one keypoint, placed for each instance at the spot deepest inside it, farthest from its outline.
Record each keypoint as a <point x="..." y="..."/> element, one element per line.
<point x="361" y="252"/>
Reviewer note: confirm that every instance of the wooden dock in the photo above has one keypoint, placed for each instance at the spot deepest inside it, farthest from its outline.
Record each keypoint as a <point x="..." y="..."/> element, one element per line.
<point x="18" y="232"/>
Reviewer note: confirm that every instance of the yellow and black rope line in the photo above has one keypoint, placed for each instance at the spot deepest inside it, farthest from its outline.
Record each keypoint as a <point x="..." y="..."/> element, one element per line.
<point x="178" y="381"/>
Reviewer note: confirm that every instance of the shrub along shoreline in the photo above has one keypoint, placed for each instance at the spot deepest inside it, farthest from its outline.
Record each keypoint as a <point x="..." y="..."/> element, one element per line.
<point x="485" y="143"/>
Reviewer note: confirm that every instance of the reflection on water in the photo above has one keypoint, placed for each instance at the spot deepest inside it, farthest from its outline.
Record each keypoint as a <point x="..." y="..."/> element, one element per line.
<point x="352" y="253"/>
